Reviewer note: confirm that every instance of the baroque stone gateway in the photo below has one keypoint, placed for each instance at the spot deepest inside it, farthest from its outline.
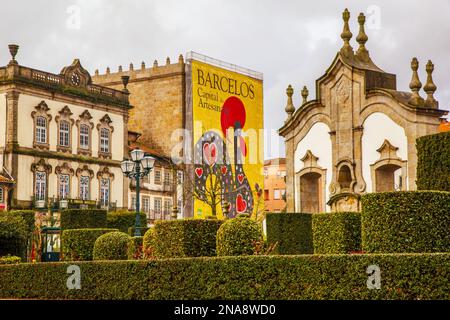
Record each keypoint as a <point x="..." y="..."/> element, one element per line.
<point x="359" y="134"/>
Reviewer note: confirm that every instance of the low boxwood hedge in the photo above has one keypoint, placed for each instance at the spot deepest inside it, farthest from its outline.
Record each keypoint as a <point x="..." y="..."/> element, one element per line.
<point x="123" y="220"/>
<point x="135" y="248"/>
<point x="10" y="260"/>
<point x="406" y="221"/>
<point x="403" y="276"/>
<point x="112" y="246"/>
<point x="433" y="162"/>
<point x="83" y="218"/>
<point x="292" y="232"/>
<point x="238" y="236"/>
<point x="13" y="235"/>
<point x="337" y="232"/>
<point x="78" y="244"/>
<point x="185" y="238"/>
<point x="28" y="216"/>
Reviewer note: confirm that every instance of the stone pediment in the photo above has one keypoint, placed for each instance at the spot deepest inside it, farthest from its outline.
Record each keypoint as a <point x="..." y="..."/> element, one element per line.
<point x="76" y="75"/>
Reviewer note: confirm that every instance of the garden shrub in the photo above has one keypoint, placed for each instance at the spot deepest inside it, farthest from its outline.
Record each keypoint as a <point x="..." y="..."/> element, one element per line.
<point x="292" y="232"/>
<point x="13" y="235"/>
<point x="83" y="218"/>
<point x="336" y="232"/>
<point x="135" y="248"/>
<point x="238" y="237"/>
<point x="300" y="277"/>
<point x="185" y="238"/>
<point x="123" y="220"/>
<point x="406" y="221"/>
<point x="112" y="246"/>
<point x="132" y="229"/>
<point x="78" y="244"/>
<point x="10" y="259"/>
<point x="433" y="162"/>
<point x="28" y="216"/>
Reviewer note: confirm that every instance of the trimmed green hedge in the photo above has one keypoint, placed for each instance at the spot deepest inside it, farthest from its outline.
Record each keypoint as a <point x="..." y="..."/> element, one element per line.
<point x="238" y="236"/>
<point x="123" y="220"/>
<point x="112" y="246"/>
<point x="185" y="238"/>
<point x="433" y="162"/>
<point x="83" y="218"/>
<point x="403" y="276"/>
<point x="336" y="232"/>
<point x="13" y="235"/>
<point x="143" y="231"/>
<point x="406" y="221"/>
<point x="10" y="260"/>
<point x="28" y="216"/>
<point x="78" y="244"/>
<point x="291" y="231"/>
<point x="135" y="248"/>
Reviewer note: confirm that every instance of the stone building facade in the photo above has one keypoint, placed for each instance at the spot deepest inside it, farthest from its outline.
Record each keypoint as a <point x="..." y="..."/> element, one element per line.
<point x="62" y="137"/>
<point x="158" y="97"/>
<point x="358" y="135"/>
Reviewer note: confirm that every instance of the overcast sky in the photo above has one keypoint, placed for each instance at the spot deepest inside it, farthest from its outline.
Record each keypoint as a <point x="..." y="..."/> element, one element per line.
<point x="291" y="42"/>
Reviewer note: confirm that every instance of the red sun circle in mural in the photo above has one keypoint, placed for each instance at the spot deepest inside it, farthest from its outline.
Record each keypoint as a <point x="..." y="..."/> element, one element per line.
<point x="233" y="115"/>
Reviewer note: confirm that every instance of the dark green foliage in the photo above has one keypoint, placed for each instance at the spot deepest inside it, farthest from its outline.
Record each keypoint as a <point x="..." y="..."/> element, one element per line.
<point x="10" y="260"/>
<point x="112" y="246"/>
<point x="291" y="231"/>
<point x="185" y="238"/>
<point x="123" y="220"/>
<point x="406" y="221"/>
<point x="403" y="276"/>
<point x="337" y="232"/>
<point x="135" y="248"/>
<point x="433" y="162"/>
<point x="132" y="229"/>
<point x="83" y="218"/>
<point x="13" y="235"/>
<point x="238" y="236"/>
<point x="28" y="216"/>
<point x="78" y="244"/>
<point x="149" y="239"/>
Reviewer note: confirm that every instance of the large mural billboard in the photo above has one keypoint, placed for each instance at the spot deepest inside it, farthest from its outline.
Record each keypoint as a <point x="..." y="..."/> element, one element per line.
<point x="227" y="112"/>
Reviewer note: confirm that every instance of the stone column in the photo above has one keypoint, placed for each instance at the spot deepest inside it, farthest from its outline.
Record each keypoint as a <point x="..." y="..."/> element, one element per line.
<point x="290" y="176"/>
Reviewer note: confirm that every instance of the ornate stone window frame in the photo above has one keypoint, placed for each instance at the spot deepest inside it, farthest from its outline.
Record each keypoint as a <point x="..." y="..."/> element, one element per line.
<point x="41" y="166"/>
<point x="105" y="123"/>
<point x="105" y="173"/>
<point x="336" y="188"/>
<point x="388" y="156"/>
<point x="84" y="171"/>
<point x="41" y="110"/>
<point x="66" y="170"/>
<point x="84" y="119"/>
<point x="311" y="166"/>
<point x="64" y="115"/>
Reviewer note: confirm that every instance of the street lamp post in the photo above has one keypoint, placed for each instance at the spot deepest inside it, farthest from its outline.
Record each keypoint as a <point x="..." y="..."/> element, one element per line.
<point x="138" y="167"/>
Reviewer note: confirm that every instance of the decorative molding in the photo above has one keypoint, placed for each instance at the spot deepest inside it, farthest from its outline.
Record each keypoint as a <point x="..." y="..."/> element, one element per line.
<point x="64" y="169"/>
<point x="64" y="115"/>
<point x="41" y="110"/>
<point x="105" y="173"/>
<point x="41" y="165"/>
<point x="84" y="168"/>
<point x="84" y="119"/>
<point x="105" y="123"/>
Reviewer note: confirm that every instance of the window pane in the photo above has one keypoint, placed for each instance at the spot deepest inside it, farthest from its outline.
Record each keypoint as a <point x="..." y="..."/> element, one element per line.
<point x="84" y="136"/>
<point x="41" y="185"/>
<point x="104" y="140"/>
<point x="104" y="192"/>
<point x="64" y="186"/>
<point x="84" y="188"/>
<point x="41" y="130"/>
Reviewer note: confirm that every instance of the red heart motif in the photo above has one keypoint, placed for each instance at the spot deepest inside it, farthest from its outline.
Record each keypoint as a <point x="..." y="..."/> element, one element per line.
<point x="199" y="172"/>
<point x="210" y="153"/>
<point x="241" y="204"/>
<point x="224" y="169"/>
<point x="240" y="177"/>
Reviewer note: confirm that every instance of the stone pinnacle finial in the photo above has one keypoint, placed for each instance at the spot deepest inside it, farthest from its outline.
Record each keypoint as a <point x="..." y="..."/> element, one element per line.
<point x="180" y="59"/>
<point x="167" y="61"/>
<point x="120" y="69"/>
<point x="96" y="72"/>
<point x="289" y="106"/>
<point x="108" y="70"/>
<point x="304" y="94"/>
<point x="13" y="49"/>
<point x="125" y="80"/>
<point x="131" y="66"/>
<point x="155" y="63"/>
<point x="362" y="38"/>
<point x="415" y="84"/>
<point x="430" y="87"/>
<point x="142" y="65"/>
<point x="346" y="35"/>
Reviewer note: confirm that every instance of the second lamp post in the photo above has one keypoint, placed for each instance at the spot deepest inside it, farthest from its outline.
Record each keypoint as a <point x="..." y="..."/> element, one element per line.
<point x="138" y="167"/>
